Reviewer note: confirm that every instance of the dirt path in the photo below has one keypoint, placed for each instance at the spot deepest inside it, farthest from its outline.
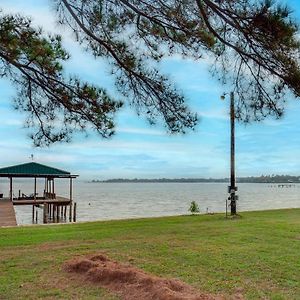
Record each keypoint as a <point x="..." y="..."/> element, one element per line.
<point x="132" y="283"/>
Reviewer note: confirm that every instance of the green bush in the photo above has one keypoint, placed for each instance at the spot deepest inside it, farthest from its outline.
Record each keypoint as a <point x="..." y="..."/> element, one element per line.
<point x="194" y="208"/>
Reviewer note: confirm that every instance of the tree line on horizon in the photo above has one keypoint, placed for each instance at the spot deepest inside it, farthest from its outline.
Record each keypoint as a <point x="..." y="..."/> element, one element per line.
<point x="250" y="179"/>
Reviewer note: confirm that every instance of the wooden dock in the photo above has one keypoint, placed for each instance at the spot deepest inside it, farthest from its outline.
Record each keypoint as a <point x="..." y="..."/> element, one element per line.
<point x="54" y="210"/>
<point x="7" y="213"/>
<point x="57" y="201"/>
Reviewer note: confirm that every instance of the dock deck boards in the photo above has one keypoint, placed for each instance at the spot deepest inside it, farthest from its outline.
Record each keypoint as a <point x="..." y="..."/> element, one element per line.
<point x="7" y="213"/>
<point x="58" y="200"/>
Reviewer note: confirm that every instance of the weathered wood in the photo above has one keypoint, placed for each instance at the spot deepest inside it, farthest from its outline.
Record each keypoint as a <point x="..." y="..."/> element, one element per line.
<point x="7" y="213"/>
<point x="70" y="212"/>
<point x="10" y="189"/>
<point x="57" y="200"/>
<point x="74" y="212"/>
<point x="45" y="213"/>
<point x="34" y="195"/>
<point x="32" y="213"/>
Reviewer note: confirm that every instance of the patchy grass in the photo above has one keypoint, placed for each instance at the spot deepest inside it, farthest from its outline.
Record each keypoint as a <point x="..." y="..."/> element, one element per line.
<point x="257" y="255"/>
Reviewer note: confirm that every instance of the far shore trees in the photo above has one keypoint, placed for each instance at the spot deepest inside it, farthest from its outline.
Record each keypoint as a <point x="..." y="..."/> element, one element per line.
<point x="253" y="44"/>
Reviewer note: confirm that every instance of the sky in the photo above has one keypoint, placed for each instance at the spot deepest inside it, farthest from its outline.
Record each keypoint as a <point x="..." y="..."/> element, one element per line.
<point x="139" y="150"/>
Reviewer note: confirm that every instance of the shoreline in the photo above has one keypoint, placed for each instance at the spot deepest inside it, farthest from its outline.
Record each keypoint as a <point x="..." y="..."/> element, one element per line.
<point x="152" y="217"/>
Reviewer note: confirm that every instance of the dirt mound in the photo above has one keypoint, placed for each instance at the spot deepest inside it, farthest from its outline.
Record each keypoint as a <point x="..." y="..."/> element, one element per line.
<point x="131" y="283"/>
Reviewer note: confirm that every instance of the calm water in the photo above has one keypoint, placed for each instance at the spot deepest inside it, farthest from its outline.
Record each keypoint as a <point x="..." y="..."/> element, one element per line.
<point x="102" y="201"/>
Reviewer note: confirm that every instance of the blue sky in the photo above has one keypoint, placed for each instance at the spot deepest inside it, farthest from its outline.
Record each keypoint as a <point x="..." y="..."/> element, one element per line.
<point x="144" y="151"/>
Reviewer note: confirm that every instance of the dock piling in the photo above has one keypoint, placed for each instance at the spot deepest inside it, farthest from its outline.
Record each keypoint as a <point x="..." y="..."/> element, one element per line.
<point x="33" y="213"/>
<point x="74" y="212"/>
<point x="70" y="212"/>
<point x="45" y="213"/>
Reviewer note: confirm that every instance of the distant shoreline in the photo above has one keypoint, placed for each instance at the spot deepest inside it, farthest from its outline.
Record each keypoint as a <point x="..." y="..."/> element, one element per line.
<point x="275" y="179"/>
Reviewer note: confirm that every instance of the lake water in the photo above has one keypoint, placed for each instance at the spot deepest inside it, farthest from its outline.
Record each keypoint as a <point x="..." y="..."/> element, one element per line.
<point x="103" y="201"/>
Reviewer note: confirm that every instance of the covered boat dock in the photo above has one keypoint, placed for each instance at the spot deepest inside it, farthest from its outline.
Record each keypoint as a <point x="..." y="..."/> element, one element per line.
<point x="54" y="206"/>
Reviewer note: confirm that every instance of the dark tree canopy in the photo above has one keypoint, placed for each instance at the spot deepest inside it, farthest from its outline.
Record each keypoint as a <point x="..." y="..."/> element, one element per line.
<point x="254" y="45"/>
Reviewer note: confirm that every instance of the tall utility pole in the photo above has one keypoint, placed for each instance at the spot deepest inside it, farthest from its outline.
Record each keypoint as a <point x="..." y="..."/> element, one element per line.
<point x="232" y="188"/>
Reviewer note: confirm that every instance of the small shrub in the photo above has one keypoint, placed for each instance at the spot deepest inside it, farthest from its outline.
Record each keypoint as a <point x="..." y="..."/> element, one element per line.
<point x="194" y="208"/>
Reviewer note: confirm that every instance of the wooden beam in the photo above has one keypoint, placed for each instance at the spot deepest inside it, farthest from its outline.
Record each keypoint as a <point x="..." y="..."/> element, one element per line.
<point x="10" y="189"/>
<point x="32" y="213"/>
<point x="45" y="188"/>
<point x="74" y="212"/>
<point x="71" y="189"/>
<point x="34" y="195"/>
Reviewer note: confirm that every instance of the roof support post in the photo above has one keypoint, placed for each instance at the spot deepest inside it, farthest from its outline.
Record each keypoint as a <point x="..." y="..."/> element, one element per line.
<point x="45" y="188"/>
<point x="34" y="195"/>
<point x="71" y="189"/>
<point x="10" y="189"/>
<point x="53" y="190"/>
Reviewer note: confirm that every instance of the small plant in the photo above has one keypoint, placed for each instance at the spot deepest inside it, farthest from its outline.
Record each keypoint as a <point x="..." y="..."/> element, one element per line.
<point x="194" y="208"/>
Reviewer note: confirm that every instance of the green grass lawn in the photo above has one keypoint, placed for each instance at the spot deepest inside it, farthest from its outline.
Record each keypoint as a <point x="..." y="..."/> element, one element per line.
<point x="257" y="255"/>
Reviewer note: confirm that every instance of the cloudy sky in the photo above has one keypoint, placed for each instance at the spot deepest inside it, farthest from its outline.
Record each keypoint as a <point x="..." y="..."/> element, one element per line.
<point x="144" y="151"/>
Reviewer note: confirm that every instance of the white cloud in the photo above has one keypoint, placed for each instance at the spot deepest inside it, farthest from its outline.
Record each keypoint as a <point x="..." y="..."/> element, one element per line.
<point x="142" y="131"/>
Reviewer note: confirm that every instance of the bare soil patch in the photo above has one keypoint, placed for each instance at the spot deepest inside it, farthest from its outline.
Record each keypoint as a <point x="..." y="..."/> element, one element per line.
<point x="132" y="283"/>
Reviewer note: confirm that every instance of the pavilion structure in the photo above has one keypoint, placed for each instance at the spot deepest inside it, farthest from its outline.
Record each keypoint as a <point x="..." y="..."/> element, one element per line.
<point x="54" y="206"/>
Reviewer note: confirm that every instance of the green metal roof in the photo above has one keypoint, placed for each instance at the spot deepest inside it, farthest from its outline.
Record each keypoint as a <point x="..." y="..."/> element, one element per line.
<point x="33" y="169"/>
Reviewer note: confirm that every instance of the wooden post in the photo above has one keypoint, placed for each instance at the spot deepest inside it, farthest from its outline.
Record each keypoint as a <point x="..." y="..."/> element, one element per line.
<point x="45" y="213"/>
<point x="65" y="211"/>
<point x="53" y="190"/>
<point x="34" y="189"/>
<point x="33" y="213"/>
<point x="48" y="187"/>
<point x="70" y="212"/>
<point x="10" y="189"/>
<point x="74" y="212"/>
<point x="36" y="216"/>
<point x="45" y="188"/>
